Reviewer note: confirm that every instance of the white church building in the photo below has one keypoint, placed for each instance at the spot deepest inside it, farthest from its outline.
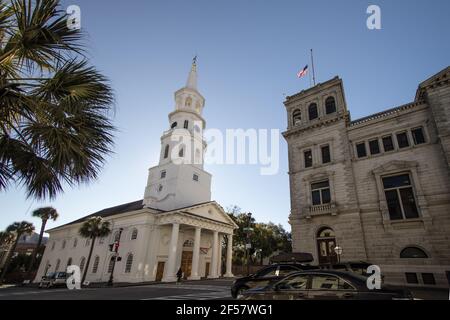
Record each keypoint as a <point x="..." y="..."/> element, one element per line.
<point x="175" y="225"/>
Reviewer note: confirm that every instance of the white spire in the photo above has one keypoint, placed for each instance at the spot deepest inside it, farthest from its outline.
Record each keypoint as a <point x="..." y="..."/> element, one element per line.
<point x="192" y="79"/>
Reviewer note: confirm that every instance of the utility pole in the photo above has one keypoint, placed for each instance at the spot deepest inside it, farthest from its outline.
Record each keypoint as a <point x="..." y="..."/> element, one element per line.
<point x="116" y="249"/>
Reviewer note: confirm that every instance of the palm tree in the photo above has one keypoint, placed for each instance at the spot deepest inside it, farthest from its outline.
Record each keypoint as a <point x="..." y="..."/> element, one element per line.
<point x="54" y="107"/>
<point x="19" y="229"/>
<point x="92" y="229"/>
<point x="6" y="239"/>
<point x="45" y="214"/>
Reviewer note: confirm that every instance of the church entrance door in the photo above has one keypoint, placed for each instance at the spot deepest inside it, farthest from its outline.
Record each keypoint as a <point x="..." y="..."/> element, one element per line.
<point x="186" y="263"/>
<point x="160" y="271"/>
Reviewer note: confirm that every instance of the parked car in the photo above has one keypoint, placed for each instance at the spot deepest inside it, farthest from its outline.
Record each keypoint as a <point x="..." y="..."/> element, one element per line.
<point x="53" y="279"/>
<point x="265" y="276"/>
<point x="324" y="285"/>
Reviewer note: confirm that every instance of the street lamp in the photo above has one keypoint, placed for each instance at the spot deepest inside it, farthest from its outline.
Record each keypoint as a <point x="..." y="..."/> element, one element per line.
<point x="116" y="249"/>
<point x="338" y="251"/>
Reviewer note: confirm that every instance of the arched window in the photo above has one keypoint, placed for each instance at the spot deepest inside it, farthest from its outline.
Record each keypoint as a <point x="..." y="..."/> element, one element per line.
<point x="312" y="111"/>
<point x="87" y="243"/>
<point x="413" y="252"/>
<point x="188" y="102"/>
<point x="69" y="262"/>
<point x="134" y="234"/>
<point x="53" y="246"/>
<point x="325" y="233"/>
<point x="82" y="263"/>
<point x="330" y="105"/>
<point x="58" y="262"/>
<point x="174" y="125"/>
<point x="110" y="265"/>
<point x="129" y="263"/>
<point x="63" y="244"/>
<point x="181" y="153"/>
<point x="166" y="152"/>
<point x="296" y="117"/>
<point x="75" y="242"/>
<point x="95" y="266"/>
<point x="47" y="266"/>
<point x="186" y="124"/>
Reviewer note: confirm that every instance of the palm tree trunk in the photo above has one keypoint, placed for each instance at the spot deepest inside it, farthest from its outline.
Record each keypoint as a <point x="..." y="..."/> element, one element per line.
<point x="86" y="268"/>
<point x="33" y="257"/>
<point x="8" y="259"/>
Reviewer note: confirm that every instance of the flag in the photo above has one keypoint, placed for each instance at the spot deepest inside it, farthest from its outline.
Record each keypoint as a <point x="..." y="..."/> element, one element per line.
<point x="303" y="72"/>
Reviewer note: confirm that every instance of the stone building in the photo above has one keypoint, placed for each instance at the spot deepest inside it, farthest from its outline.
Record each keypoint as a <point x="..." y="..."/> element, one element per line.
<point x="175" y="225"/>
<point x="378" y="187"/>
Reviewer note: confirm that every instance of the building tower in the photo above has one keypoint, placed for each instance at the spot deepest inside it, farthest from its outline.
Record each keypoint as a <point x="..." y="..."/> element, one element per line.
<point x="179" y="179"/>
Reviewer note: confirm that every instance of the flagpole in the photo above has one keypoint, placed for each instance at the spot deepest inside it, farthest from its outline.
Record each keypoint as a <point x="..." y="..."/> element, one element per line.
<point x="313" y="70"/>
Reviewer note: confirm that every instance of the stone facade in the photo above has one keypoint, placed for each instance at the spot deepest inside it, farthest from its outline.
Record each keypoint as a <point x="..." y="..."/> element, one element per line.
<point x="375" y="186"/>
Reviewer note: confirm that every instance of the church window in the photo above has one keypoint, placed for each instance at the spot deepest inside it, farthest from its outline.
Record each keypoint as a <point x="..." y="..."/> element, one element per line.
<point x="418" y="135"/>
<point x="326" y="157"/>
<point x="181" y="153"/>
<point x="163" y="174"/>
<point x="53" y="246"/>
<point x="134" y="234"/>
<point x="195" y="177"/>
<point x="320" y="193"/>
<point x="361" y="150"/>
<point x="129" y="263"/>
<point x="75" y="242"/>
<point x="388" y="144"/>
<point x="174" y="125"/>
<point x="402" y="140"/>
<point x="166" y="152"/>
<point x="413" y="253"/>
<point x="188" y="102"/>
<point x="374" y="147"/>
<point x="58" y="262"/>
<point x="330" y="105"/>
<point x="312" y="111"/>
<point x="308" y="158"/>
<point x="186" y="124"/>
<point x="400" y="197"/>
<point x="296" y="117"/>
<point x="95" y="265"/>
<point x="82" y="263"/>
<point x="87" y="243"/>
<point x="69" y="262"/>
<point x="63" y="245"/>
<point x="160" y="188"/>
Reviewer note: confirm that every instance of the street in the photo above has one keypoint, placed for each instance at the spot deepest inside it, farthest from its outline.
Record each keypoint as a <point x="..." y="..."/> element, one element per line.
<point x="198" y="290"/>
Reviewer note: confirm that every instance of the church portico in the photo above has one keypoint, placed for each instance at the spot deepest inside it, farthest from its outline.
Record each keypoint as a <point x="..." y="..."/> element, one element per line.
<point x="195" y="246"/>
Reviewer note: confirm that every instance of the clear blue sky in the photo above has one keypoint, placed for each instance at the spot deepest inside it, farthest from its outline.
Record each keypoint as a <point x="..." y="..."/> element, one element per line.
<point x="249" y="53"/>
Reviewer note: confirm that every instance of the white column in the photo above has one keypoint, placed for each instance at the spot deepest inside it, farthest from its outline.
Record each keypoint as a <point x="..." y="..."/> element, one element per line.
<point x="229" y="272"/>
<point x="196" y="255"/>
<point x="214" y="255"/>
<point x="219" y="256"/>
<point x="170" y="272"/>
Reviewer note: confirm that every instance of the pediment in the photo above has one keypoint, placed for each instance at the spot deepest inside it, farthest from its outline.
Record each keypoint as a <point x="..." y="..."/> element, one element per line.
<point x="211" y="210"/>
<point x="395" y="165"/>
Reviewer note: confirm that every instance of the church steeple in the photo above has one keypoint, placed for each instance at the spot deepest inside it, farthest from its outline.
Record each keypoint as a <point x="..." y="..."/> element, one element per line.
<point x="179" y="179"/>
<point x="191" y="82"/>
